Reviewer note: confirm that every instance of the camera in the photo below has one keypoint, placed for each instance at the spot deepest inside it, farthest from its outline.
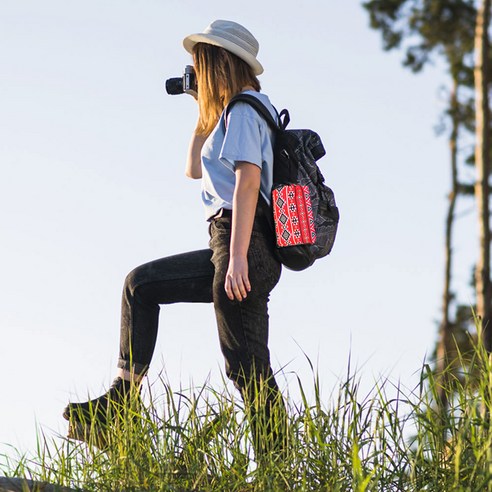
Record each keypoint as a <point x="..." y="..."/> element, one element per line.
<point x="185" y="84"/>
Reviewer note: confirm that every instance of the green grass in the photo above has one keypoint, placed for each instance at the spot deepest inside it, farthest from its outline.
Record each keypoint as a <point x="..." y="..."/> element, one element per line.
<point x="199" y="440"/>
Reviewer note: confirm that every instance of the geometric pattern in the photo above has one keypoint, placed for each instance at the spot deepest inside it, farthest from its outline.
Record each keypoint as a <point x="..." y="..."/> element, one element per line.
<point x="293" y="215"/>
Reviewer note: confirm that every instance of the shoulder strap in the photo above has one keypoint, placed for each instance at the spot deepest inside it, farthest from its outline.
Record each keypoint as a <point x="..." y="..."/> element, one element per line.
<point x="267" y="116"/>
<point x="262" y="110"/>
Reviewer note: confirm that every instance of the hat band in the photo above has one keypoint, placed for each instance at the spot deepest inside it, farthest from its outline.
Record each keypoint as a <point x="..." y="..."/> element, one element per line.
<point x="235" y="39"/>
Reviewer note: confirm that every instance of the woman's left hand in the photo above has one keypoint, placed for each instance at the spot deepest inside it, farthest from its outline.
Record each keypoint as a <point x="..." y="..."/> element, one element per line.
<point x="237" y="283"/>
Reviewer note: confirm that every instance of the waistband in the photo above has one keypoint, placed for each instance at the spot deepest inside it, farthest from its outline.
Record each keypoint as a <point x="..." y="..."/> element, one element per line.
<point x="262" y="209"/>
<point x="261" y="222"/>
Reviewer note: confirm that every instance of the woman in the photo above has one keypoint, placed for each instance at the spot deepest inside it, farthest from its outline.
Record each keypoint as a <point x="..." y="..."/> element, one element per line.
<point x="234" y="158"/>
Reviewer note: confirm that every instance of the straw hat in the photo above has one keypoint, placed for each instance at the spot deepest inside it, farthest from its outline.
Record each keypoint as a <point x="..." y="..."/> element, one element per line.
<point x="231" y="36"/>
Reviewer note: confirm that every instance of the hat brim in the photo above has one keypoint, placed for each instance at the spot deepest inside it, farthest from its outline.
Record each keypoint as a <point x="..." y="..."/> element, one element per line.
<point x="193" y="39"/>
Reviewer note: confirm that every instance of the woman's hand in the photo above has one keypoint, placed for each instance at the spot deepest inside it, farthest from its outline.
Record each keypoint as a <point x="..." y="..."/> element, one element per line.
<point x="237" y="283"/>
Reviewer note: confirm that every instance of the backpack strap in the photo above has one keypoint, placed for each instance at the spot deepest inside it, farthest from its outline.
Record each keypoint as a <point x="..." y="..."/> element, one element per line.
<point x="262" y="110"/>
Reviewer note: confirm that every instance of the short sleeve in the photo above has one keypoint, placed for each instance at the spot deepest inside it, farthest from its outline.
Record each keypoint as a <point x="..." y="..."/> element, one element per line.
<point x="242" y="140"/>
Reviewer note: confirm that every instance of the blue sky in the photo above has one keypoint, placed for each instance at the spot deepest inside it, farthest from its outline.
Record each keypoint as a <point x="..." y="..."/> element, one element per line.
<point x="92" y="154"/>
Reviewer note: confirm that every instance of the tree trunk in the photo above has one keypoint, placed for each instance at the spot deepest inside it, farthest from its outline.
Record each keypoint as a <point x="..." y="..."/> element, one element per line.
<point x="445" y="338"/>
<point x="482" y="155"/>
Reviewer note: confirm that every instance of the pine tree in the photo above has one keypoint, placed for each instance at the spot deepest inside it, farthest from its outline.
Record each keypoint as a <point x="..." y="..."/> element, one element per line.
<point x="444" y="29"/>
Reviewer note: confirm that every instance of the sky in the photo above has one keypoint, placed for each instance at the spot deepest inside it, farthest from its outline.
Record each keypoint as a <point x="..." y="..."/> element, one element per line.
<point x="92" y="154"/>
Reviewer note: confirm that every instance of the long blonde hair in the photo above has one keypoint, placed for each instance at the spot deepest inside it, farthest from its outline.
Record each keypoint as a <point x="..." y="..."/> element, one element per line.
<point x="220" y="75"/>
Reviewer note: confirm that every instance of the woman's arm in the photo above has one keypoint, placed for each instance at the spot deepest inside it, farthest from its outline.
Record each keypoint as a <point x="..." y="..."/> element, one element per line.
<point x="248" y="178"/>
<point x="193" y="163"/>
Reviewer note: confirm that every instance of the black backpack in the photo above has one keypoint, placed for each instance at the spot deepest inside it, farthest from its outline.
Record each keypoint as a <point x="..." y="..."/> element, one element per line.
<point x="295" y="153"/>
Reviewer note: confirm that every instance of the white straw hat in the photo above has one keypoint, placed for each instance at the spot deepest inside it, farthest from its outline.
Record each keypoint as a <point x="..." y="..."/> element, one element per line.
<point x="231" y="36"/>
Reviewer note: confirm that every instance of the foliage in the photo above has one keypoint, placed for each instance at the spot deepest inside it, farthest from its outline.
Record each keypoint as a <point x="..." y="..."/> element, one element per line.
<point x="460" y="349"/>
<point x="442" y="26"/>
<point x="428" y="30"/>
<point x="390" y="439"/>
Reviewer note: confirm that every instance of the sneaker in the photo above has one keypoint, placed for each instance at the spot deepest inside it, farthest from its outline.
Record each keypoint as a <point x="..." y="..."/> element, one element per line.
<point x="108" y="407"/>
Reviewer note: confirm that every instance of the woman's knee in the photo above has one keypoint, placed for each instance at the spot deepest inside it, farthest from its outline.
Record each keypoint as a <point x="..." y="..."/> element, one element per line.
<point x="132" y="281"/>
<point x="136" y="280"/>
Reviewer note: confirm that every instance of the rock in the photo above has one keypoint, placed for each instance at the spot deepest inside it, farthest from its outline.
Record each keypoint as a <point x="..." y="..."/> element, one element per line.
<point x="24" y="485"/>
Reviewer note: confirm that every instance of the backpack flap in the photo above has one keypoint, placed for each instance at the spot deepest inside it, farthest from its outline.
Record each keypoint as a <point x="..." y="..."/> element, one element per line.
<point x="315" y="145"/>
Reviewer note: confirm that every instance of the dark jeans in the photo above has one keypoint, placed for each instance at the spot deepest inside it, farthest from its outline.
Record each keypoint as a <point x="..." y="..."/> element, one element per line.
<point x="199" y="276"/>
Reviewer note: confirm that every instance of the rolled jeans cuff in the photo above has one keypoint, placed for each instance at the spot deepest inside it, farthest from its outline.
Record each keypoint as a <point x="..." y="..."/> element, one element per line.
<point x="135" y="367"/>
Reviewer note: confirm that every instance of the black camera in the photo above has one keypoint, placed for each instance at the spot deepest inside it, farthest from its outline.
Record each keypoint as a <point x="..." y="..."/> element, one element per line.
<point x="185" y="84"/>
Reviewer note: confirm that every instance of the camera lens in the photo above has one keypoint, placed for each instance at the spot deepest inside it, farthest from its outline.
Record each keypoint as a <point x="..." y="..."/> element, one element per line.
<point x="174" y="85"/>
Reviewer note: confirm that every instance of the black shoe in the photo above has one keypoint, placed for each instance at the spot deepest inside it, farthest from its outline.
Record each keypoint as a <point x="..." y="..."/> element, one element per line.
<point x="108" y="407"/>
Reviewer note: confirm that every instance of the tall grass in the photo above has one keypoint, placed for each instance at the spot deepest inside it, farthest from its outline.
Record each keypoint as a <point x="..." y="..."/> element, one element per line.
<point x="200" y="440"/>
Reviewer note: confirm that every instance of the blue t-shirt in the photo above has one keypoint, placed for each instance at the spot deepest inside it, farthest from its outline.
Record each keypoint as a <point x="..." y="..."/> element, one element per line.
<point x="246" y="137"/>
